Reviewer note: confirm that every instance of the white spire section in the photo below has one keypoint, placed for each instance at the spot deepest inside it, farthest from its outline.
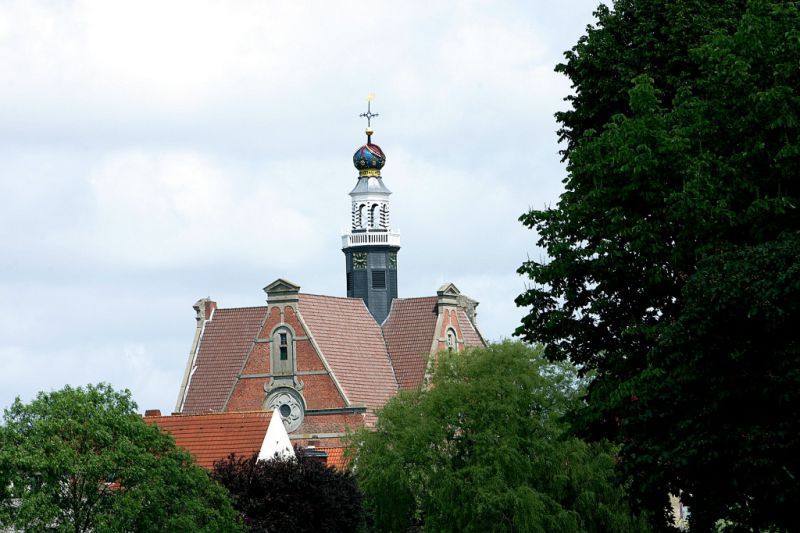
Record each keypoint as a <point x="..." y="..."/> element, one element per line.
<point x="370" y="215"/>
<point x="276" y="441"/>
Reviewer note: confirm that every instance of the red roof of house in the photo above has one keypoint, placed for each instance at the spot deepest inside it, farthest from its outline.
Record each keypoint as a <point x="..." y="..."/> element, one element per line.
<point x="224" y="345"/>
<point x="212" y="437"/>
<point x="336" y="457"/>
<point x="352" y="343"/>
<point x="370" y="363"/>
<point x="409" y="331"/>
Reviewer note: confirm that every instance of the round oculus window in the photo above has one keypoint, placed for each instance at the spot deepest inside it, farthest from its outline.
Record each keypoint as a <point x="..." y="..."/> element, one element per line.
<point x="290" y="406"/>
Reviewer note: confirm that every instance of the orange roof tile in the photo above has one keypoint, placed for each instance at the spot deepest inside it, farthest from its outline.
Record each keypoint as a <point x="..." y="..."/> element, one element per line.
<point x="336" y="457"/>
<point x="353" y="345"/>
<point x="214" y="436"/>
<point x="409" y="331"/>
<point x="226" y="341"/>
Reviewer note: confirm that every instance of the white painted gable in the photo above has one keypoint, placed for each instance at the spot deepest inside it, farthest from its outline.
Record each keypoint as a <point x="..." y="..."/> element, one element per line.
<point x="276" y="441"/>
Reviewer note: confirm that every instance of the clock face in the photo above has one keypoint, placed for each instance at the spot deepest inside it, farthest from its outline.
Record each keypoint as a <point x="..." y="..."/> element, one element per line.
<point x="360" y="261"/>
<point x="392" y="261"/>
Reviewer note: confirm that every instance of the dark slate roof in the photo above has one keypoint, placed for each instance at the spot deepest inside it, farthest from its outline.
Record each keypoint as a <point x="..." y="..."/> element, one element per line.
<point x="211" y="437"/>
<point x="409" y="331"/>
<point x="352" y="343"/>
<point x="226" y="341"/>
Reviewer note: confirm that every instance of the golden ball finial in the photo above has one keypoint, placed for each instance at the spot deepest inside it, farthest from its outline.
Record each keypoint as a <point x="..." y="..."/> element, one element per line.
<point x="369" y="131"/>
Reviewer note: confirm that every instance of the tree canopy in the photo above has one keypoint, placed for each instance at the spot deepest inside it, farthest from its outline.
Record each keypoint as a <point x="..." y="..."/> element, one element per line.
<point x="82" y="459"/>
<point x="484" y="449"/>
<point x="672" y="270"/>
<point x="291" y="494"/>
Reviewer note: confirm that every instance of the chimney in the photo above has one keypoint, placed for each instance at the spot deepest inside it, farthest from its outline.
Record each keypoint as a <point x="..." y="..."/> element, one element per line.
<point x="312" y="454"/>
<point x="152" y="412"/>
<point x="204" y="307"/>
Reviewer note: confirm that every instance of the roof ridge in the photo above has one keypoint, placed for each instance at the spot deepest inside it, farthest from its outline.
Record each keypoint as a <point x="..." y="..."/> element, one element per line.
<point x="215" y="413"/>
<point x="241" y="307"/>
<point x="328" y="296"/>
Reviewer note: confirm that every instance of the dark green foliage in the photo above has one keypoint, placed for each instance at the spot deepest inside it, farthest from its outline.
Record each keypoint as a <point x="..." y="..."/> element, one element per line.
<point x="83" y="460"/>
<point x="727" y="373"/>
<point x="673" y="253"/>
<point x="291" y="495"/>
<point x="484" y="450"/>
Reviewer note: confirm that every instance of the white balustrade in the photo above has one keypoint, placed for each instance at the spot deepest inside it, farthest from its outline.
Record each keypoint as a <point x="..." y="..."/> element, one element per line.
<point x="370" y="238"/>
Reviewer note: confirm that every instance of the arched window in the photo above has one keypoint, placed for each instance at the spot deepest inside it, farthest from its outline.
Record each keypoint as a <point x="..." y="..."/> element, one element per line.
<point x="375" y="216"/>
<point x="452" y="342"/>
<point x="282" y="351"/>
<point x="362" y="216"/>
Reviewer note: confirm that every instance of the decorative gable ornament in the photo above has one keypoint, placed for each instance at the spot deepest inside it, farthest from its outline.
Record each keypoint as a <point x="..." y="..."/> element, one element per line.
<point x="289" y="406"/>
<point x="448" y="295"/>
<point x="276" y="443"/>
<point x="449" y="289"/>
<point x="282" y="290"/>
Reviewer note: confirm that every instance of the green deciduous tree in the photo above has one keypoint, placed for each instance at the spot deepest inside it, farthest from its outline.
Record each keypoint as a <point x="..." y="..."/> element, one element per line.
<point x="484" y="450"/>
<point x="297" y="495"/>
<point x="672" y="271"/>
<point x="81" y="459"/>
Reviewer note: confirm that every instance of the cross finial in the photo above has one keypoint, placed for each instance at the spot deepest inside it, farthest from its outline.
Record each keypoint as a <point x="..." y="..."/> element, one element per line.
<point x="369" y="116"/>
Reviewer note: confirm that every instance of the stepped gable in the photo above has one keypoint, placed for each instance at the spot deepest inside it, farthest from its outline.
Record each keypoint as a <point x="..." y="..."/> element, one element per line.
<point x="227" y="339"/>
<point x="212" y="437"/>
<point x="409" y="331"/>
<point x="352" y="343"/>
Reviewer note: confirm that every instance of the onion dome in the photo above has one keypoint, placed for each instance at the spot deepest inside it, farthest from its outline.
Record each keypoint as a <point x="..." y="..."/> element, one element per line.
<point x="369" y="159"/>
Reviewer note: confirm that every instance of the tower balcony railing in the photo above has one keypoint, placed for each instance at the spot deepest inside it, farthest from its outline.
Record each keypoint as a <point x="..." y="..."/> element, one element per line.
<point x="370" y="239"/>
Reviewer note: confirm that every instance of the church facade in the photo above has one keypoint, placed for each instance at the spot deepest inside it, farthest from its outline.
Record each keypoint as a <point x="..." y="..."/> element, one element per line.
<point x="324" y="364"/>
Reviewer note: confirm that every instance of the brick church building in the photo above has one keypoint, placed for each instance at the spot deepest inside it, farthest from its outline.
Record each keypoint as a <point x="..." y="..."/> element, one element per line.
<point x="326" y="364"/>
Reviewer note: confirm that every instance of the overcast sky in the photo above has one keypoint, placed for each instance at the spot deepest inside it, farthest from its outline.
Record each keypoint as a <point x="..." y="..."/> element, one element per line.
<point x="152" y="153"/>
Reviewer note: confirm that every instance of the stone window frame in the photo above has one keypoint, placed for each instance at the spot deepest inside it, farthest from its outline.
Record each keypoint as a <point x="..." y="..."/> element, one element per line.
<point x="276" y="360"/>
<point x="451" y="339"/>
<point x="290" y="404"/>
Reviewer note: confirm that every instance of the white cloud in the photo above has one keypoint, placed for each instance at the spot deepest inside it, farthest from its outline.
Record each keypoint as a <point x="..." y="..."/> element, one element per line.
<point x="131" y="367"/>
<point x="153" y="152"/>
<point x="268" y="63"/>
<point x="168" y="209"/>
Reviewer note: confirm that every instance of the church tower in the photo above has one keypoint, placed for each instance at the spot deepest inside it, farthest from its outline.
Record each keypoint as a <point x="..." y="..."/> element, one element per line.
<point x="370" y="247"/>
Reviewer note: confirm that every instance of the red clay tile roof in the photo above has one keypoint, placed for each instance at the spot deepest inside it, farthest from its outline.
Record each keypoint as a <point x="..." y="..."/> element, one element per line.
<point x="472" y="338"/>
<point x="336" y="457"/>
<point x="352" y="343"/>
<point x="227" y="339"/>
<point x="211" y="437"/>
<point x="409" y="331"/>
<point x="350" y="339"/>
